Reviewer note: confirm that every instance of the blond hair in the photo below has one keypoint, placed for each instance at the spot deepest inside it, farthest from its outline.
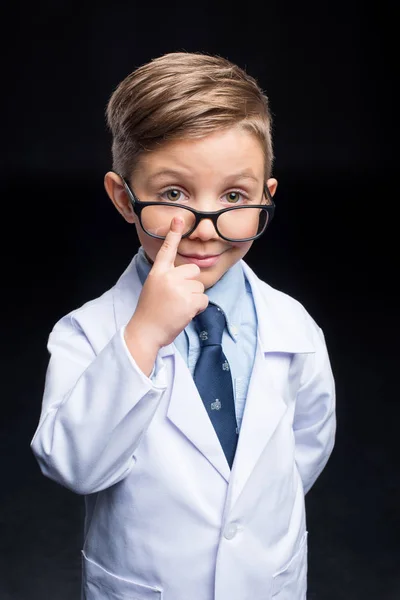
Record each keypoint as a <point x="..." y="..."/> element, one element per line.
<point x="184" y="95"/>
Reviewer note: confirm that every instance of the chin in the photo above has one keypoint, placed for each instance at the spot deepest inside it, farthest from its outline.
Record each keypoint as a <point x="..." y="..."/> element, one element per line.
<point x="209" y="279"/>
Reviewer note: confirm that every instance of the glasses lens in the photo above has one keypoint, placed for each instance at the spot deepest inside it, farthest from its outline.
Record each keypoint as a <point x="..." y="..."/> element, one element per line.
<point x="238" y="224"/>
<point x="242" y="223"/>
<point x="156" y="220"/>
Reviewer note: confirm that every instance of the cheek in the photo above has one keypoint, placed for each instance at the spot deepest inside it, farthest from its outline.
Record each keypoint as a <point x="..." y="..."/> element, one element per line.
<point x="150" y="245"/>
<point x="231" y="257"/>
<point x="240" y="249"/>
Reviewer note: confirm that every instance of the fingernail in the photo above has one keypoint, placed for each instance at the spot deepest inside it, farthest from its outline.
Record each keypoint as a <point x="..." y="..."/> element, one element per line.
<point x="177" y="221"/>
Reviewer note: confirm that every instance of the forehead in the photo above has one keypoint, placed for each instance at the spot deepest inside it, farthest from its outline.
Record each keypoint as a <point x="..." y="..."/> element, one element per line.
<point x="220" y="154"/>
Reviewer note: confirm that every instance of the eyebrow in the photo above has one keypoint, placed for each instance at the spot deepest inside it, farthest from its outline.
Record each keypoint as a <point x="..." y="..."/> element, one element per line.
<point x="168" y="173"/>
<point x="246" y="174"/>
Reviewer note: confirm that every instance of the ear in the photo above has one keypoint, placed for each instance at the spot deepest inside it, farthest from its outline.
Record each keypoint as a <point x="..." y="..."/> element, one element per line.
<point x="272" y="184"/>
<point x="119" y="196"/>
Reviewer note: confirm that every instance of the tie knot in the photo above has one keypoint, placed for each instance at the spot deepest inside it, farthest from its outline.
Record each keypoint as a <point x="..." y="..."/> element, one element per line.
<point x="210" y="325"/>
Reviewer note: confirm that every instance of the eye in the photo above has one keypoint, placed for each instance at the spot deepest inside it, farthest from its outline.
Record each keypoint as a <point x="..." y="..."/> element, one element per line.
<point x="233" y="197"/>
<point x="172" y="195"/>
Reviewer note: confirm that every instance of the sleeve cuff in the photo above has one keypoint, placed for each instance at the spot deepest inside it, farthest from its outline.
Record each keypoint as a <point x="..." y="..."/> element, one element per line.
<point x="157" y="375"/>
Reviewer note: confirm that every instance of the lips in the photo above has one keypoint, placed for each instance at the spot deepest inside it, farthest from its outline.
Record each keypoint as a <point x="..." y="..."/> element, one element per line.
<point x="199" y="256"/>
<point x="201" y="260"/>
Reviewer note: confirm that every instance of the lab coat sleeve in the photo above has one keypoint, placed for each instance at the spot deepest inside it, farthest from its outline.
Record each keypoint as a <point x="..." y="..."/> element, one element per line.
<point x="95" y="410"/>
<point x="314" y="422"/>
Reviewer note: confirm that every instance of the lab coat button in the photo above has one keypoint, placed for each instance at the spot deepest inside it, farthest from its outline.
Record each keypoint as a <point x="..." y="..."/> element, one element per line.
<point x="230" y="531"/>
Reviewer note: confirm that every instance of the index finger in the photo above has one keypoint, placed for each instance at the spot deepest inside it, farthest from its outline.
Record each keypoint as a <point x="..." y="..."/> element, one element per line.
<point x="166" y="255"/>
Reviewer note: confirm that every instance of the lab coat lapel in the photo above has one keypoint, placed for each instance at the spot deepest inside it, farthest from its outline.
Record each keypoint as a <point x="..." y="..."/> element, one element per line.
<point x="277" y="334"/>
<point x="186" y="409"/>
<point x="263" y="412"/>
<point x="126" y="294"/>
<point x="187" y="412"/>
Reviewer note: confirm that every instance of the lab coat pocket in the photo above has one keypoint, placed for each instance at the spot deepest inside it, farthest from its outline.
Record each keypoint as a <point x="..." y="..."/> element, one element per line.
<point x="290" y="582"/>
<point x="100" y="584"/>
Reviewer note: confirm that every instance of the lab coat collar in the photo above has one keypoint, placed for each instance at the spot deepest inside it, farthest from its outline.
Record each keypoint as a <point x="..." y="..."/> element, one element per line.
<point x="282" y="322"/>
<point x="279" y="330"/>
<point x="126" y="295"/>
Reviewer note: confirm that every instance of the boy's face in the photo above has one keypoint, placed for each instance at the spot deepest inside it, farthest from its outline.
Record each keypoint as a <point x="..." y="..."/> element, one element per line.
<point x="222" y="170"/>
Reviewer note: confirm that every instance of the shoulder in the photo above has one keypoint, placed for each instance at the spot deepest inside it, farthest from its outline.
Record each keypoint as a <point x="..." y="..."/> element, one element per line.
<point x="281" y="301"/>
<point x="99" y="318"/>
<point x="94" y="320"/>
<point x="284" y="323"/>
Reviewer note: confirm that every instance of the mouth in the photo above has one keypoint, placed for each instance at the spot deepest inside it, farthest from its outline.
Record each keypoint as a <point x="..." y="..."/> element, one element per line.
<point x="201" y="260"/>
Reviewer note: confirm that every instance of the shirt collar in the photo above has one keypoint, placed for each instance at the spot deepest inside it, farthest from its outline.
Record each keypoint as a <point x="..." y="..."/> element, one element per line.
<point x="227" y="293"/>
<point x="143" y="266"/>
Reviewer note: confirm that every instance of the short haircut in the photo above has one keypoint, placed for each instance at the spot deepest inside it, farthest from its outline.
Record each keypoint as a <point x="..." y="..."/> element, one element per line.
<point x="183" y="95"/>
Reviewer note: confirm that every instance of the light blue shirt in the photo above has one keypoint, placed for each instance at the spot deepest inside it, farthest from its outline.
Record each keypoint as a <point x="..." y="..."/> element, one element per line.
<point x="232" y="293"/>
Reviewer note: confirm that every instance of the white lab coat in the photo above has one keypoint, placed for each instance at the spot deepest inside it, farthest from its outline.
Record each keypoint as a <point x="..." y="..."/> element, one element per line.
<point x="165" y="517"/>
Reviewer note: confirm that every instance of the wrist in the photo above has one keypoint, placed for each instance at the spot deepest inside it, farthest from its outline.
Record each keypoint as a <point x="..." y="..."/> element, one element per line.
<point x="141" y="345"/>
<point x="143" y="333"/>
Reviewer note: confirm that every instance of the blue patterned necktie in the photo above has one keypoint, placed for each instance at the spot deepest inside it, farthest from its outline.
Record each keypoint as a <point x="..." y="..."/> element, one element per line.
<point x="213" y="379"/>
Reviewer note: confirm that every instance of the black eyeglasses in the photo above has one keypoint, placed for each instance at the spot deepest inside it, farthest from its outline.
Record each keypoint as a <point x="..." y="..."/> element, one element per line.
<point x="233" y="224"/>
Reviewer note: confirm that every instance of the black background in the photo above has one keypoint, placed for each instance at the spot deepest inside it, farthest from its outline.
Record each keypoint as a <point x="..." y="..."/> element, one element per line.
<point x="328" y="70"/>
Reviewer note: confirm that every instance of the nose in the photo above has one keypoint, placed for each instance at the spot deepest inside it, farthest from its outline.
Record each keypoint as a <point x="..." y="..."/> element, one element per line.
<point x="204" y="231"/>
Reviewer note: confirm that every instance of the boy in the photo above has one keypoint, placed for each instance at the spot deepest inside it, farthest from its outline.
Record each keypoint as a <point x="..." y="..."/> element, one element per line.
<point x="192" y="404"/>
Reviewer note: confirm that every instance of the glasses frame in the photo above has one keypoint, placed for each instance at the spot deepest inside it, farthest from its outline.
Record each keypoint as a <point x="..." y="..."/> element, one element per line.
<point x="138" y="206"/>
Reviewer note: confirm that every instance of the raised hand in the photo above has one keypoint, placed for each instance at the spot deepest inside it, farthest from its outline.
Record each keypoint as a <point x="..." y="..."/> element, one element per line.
<point x="170" y="298"/>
